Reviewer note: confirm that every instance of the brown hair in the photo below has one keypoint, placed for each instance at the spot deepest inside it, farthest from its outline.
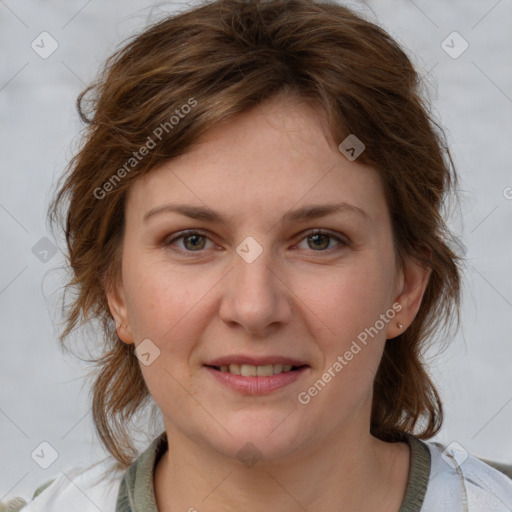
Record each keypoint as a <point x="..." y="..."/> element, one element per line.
<point x="223" y="58"/>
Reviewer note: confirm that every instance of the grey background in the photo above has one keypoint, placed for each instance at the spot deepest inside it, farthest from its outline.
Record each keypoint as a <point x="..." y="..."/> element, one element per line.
<point x="43" y="396"/>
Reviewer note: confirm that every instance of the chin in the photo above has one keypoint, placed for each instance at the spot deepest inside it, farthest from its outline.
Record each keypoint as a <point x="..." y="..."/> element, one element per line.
<point x="259" y="437"/>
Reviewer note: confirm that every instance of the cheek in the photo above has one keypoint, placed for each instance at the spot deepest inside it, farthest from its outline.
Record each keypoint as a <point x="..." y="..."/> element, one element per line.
<point x="164" y="302"/>
<point x="350" y="304"/>
<point x="165" y="306"/>
<point x="350" y="300"/>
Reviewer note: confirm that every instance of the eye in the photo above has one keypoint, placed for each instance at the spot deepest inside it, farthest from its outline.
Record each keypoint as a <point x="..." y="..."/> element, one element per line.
<point x="321" y="240"/>
<point x="193" y="241"/>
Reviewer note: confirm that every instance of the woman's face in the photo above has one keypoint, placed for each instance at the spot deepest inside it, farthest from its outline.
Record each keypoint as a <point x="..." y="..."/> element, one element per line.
<point x="253" y="283"/>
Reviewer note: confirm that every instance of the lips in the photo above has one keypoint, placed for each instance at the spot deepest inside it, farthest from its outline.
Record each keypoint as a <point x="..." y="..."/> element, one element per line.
<point x="255" y="366"/>
<point x="256" y="361"/>
<point x="252" y="375"/>
<point x="248" y="370"/>
<point x="250" y="381"/>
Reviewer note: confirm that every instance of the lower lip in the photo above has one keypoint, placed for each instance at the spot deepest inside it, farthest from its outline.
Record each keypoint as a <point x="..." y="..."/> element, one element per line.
<point x="256" y="385"/>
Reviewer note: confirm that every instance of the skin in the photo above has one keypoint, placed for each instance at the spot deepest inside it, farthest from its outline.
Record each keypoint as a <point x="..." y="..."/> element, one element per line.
<point x="295" y="299"/>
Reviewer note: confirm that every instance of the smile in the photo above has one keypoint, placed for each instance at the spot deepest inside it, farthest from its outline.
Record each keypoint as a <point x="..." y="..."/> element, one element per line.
<point x="256" y="380"/>
<point x="249" y="370"/>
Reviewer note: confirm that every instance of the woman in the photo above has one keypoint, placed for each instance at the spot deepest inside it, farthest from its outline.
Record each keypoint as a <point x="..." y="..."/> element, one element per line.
<point x="254" y="219"/>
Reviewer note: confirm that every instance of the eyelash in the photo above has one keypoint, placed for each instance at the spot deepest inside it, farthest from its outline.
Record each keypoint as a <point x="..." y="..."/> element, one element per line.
<point x="185" y="234"/>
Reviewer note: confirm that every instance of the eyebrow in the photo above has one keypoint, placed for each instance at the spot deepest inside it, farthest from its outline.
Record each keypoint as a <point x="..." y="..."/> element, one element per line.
<point x="304" y="213"/>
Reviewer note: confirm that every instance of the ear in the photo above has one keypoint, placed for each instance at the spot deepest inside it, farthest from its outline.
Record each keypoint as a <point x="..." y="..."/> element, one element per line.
<point x="412" y="283"/>
<point x="118" y="309"/>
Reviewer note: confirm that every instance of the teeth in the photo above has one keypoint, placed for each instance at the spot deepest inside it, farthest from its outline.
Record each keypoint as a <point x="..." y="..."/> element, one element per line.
<point x="234" y="368"/>
<point x="278" y="368"/>
<point x="249" y="370"/>
<point x="264" y="371"/>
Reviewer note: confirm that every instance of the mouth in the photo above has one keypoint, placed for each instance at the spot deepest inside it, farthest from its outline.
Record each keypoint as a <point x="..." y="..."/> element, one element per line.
<point x="254" y="380"/>
<point x="249" y="370"/>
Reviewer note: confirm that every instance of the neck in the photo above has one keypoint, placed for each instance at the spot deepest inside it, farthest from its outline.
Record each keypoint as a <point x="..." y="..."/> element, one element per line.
<point x="346" y="473"/>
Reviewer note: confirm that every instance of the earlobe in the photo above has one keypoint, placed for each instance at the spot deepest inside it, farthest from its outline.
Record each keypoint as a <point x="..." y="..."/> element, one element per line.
<point x="413" y="283"/>
<point x="118" y="310"/>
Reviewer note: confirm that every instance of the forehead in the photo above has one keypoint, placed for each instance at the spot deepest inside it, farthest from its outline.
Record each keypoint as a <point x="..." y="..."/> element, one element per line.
<point x="272" y="158"/>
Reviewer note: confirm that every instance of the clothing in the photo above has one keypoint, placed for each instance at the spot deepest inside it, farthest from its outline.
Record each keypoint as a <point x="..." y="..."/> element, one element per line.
<point x="440" y="480"/>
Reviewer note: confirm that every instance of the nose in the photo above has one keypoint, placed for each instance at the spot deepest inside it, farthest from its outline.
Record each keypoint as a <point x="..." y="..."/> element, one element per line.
<point x="256" y="295"/>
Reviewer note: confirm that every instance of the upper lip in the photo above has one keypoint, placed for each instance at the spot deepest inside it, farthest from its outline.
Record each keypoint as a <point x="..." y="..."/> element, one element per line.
<point x="255" y="361"/>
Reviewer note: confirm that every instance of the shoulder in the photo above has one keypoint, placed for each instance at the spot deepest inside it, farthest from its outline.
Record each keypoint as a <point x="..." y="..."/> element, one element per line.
<point x="458" y="478"/>
<point x="81" y="488"/>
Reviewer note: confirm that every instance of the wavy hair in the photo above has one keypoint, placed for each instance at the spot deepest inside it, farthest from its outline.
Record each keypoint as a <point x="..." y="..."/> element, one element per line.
<point x="228" y="56"/>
